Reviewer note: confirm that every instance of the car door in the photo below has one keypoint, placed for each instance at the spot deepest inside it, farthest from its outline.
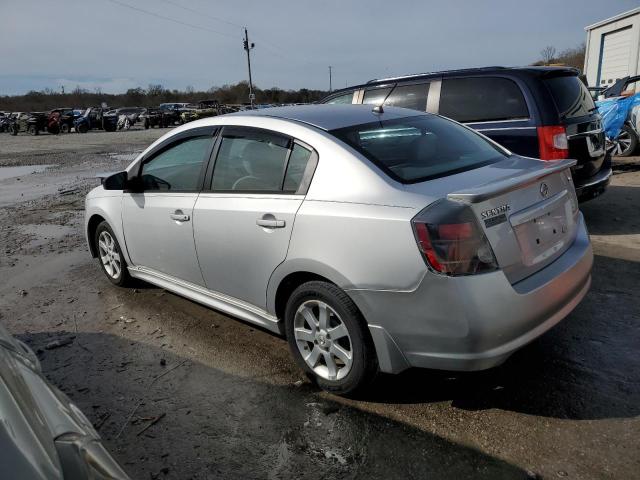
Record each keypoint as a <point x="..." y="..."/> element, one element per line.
<point x="158" y="219"/>
<point x="244" y="221"/>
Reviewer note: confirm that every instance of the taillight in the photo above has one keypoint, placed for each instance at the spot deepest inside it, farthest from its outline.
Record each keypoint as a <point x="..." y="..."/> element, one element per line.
<point x="451" y="240"/>
<point x="553" y="142"/>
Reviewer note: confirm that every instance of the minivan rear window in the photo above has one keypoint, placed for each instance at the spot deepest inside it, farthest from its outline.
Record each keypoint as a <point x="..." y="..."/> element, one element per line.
<point x="482" y="99"/>
<point x="421" y="147"/>
<point x="571" y="96"/>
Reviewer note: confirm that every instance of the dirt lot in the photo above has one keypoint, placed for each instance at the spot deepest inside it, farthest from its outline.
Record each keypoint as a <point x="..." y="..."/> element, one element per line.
<point x="566" y="406"/>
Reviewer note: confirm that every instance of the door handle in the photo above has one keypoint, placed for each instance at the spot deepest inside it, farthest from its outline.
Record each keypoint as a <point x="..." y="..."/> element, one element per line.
<point x="179" y="216"/>
<point x="269" y="221"/>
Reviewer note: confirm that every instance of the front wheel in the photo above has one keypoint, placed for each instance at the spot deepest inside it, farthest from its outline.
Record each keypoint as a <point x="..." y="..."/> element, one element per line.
<point x="110" y="255"/>
<point x="329" y="338"/>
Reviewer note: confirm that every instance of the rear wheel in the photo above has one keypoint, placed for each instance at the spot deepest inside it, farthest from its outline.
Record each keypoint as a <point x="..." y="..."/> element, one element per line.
<point x="64" y="128"/>
<point x="110" y="255"/>
<point x="626" y="142"/>
<point x="82" y="128"/>
<point x="329" y="339"/>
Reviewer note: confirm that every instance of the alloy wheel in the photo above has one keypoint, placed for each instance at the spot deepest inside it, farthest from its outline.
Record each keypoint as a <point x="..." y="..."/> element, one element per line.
<point x="109" y="255"/>
<point x="323" y="340"/>
<point x="621" y="144"/>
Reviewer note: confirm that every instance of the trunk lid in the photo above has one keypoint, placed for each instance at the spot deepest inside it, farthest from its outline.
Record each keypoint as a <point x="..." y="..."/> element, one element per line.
<point x="527" y="209"/>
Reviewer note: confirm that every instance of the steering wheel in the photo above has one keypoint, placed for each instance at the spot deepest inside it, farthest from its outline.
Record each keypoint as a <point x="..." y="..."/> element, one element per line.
<point x="237" y="183"/>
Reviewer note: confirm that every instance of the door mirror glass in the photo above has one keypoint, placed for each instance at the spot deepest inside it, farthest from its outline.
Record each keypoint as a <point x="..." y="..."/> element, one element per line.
<point x="117" y="181"/>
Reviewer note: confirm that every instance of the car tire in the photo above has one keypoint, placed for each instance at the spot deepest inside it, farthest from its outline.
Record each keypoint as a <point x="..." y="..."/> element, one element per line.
<point x="338" y="356"/>
<point x="14" y="130"/>
<point x="110" y="255"/>
<point x="146" y="124"/>
<point x="82" y="128"/>
<point x="64" y="128"/>
<point x="626" y="143"/>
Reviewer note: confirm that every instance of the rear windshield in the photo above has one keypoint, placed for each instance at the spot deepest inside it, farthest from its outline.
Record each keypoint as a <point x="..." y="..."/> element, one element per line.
<point x="418" y="148"/>
<point x="571" y="96"/>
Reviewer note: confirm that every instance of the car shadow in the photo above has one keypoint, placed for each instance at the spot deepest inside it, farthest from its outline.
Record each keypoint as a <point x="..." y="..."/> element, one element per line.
<point x="210" y="423"/>
<point x="587" y="367"/>
<point x="620" y="203"/>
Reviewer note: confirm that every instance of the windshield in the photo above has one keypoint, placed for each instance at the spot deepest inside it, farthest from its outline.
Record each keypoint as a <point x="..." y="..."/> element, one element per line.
<point x="422" y="147"/>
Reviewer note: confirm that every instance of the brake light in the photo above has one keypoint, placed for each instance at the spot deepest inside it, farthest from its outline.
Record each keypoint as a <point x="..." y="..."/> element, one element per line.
<point x="451" y="240"/>
<point x="553" y="142"/>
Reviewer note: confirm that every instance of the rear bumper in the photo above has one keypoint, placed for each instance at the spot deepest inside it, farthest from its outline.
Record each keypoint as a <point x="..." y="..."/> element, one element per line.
<point x="474" y="322"/>
<point x="592" y="187"/>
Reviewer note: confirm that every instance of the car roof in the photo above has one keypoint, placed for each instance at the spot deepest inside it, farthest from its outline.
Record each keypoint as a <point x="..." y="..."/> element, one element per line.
<point x="531" y="70"/>
<point x="330" y="117"/>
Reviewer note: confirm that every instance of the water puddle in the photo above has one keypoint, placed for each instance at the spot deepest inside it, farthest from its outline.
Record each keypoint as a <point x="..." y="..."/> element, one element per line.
<point x="12" y="172"/>
<point x="44" y="233"/>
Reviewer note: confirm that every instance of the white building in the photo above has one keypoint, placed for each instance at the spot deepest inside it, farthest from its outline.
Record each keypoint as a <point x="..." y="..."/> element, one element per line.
<point x="613" y="49"/>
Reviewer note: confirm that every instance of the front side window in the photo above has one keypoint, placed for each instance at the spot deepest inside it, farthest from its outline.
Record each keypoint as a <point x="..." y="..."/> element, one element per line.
<point x="341" y="99"/>
<point x="250" y="161"/>
<point x="421" y="147"/>
<point x="482" y="99"/>
<point x="177" y="168"/>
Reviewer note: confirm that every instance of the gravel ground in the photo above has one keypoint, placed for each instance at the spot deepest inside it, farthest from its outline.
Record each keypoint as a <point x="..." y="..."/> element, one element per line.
<point x="236" y="406"/>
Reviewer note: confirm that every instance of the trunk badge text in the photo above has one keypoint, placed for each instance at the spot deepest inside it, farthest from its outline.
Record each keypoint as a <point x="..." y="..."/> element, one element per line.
<point x="495" y="216"/>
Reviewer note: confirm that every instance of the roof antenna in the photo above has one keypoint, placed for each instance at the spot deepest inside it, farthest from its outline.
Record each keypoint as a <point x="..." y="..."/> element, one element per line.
<point x="378" y="108"/>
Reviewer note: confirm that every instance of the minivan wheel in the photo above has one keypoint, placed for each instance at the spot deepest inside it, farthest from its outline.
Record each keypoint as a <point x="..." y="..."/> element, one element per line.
<point x="110" y="255"/>
<point x="329" y="339"/>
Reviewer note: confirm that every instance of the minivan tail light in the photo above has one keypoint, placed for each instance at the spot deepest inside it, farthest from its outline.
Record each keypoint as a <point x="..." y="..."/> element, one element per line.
<point x="553" y="142"/>
<point x="451" y="241"/>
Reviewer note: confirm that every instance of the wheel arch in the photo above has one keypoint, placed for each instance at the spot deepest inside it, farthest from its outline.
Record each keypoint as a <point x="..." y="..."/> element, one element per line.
<point x="92" y="224"/>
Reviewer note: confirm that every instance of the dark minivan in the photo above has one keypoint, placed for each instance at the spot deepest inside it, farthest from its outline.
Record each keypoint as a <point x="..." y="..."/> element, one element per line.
<point x="540" y="112"/>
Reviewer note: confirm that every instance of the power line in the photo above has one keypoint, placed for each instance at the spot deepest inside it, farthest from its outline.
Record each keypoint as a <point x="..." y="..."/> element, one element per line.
<point x="153" y="14"/>
<point x="188" y="9"/>
<point x="279" y="51"/>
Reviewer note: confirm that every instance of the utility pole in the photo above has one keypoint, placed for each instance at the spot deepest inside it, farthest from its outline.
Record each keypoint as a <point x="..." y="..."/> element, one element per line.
<point x="330" y="89"/>
<point x="248" y="46"/>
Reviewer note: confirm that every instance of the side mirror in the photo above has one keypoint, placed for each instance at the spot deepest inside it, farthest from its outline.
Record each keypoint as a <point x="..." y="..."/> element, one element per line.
<point x="117" y="181"/>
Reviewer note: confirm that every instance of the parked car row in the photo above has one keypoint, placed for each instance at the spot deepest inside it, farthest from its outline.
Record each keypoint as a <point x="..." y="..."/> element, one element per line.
<point x="64" y="120"/>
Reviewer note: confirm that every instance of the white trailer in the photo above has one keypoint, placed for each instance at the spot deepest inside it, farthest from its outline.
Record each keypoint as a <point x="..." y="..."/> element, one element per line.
<point x="613" y="49"/>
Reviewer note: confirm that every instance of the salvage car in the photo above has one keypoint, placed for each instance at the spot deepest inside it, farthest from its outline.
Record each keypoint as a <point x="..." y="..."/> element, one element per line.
<point x="28" y="122"/>
<point x="155" y="117"/>
<point x="61" y="120"/>
<point x="91" y="118"/>
<point x="373" y="238"/>
<point x="540" y="112"/>
<point x="43" y="435"/>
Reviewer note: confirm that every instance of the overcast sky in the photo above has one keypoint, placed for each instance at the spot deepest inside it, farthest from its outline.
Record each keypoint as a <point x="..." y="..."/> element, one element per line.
<point x="101" y="44"/>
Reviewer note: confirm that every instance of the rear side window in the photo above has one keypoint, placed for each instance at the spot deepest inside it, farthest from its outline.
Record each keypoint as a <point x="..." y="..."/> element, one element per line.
<point x="571" y="96"/>
<point x="296" y="167"/>
<point x="421" y="147"/>
<point x="251" y="161"/>
<point x="482" y="99"/>
<point x="409" y="96"/>
<point x="375" y="96"/>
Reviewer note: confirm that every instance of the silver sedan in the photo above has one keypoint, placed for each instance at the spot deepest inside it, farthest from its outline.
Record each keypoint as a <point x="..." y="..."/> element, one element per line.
<point x="374" y="240"/>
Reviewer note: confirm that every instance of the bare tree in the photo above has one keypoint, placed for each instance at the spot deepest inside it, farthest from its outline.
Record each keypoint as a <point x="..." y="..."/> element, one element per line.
<point x="548" y="53"/>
